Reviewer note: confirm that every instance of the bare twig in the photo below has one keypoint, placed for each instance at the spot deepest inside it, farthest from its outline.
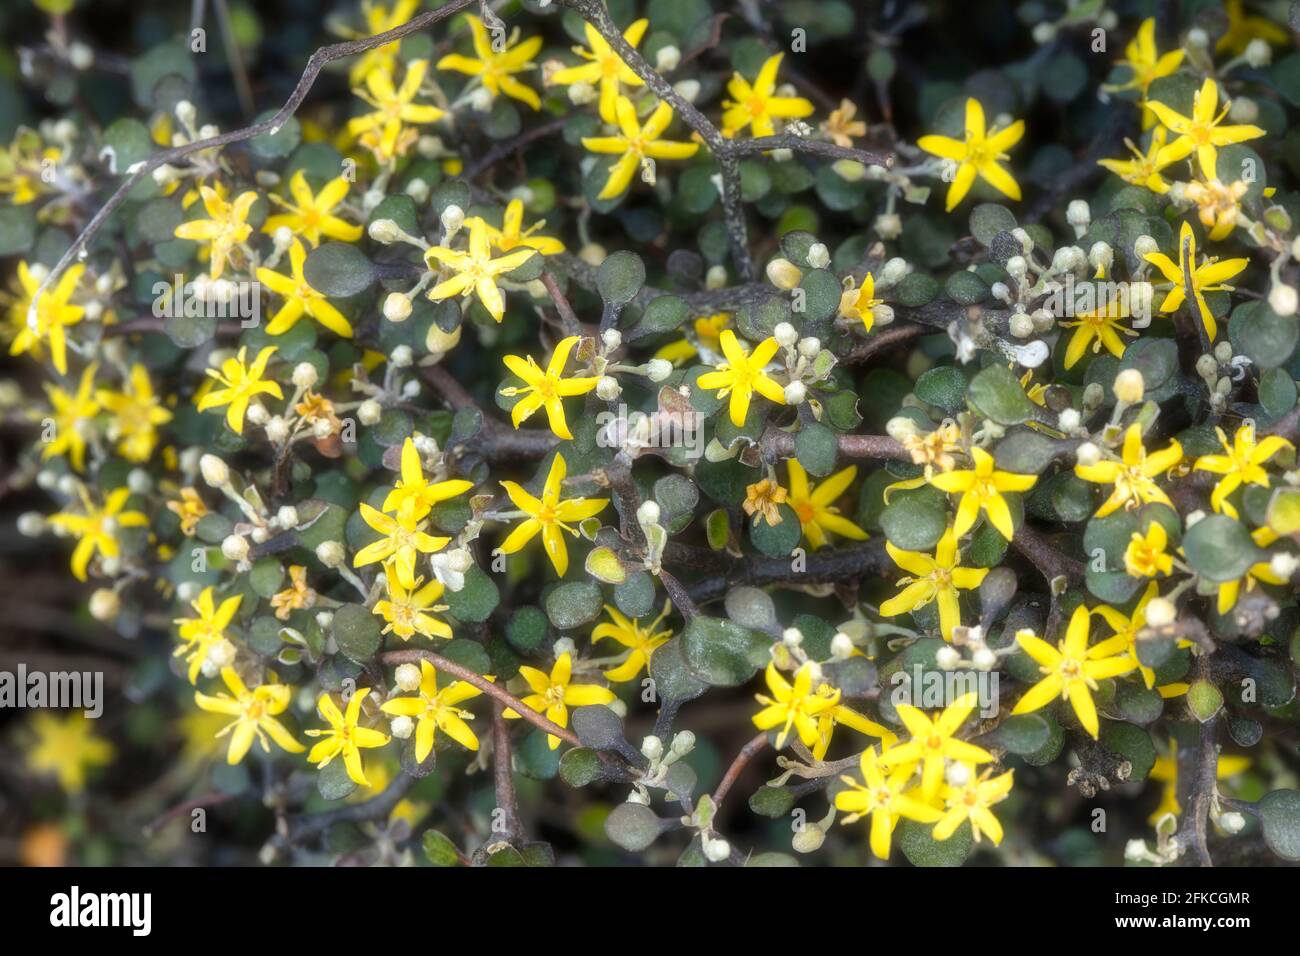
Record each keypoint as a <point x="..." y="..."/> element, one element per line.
<point x="492" y="689"/>
<point x="314" y="66"/>
<point x="747" y="752"/>
<point x="503" y="773"/>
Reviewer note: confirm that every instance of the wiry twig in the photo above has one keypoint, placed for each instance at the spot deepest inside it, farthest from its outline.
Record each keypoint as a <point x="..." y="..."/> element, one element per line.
<point x="726" y="151"/>
<point x="314" y="66"/>
<point x="492" y="689"/>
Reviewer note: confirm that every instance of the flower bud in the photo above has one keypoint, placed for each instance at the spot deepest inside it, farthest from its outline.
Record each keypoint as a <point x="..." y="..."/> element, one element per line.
<point x="407" y="677"/>
<point x="401" y="726"/>
<point x="1069" y="419"/>
<point x="668" y="58"/>
<point x="792" y="637"/>
<point x="1087" y="454"/>
<point x="1021" y="326"/>
<point x="385" y="231"/>
<point x="31" y="524"/>
<point x="330" y="553"/>
<point x="819" y="257"/>
<point x="104" y="604"/>
<point x="652" y="748"/>
<point x="658" y="369"/>
<point x="287" y="516"/>
<point x="984" y="659"/>
<point x="947" y="657"/>
<point x="1078" y="215"/>
<point x="893" y="272"/>
<point x="716" y="849"/>
<point x="608" y="389"/>
<point x="452" y="218"/>
<point x="795" y="393"/>
<point x="369" y="412"/>
<point x="784" y="274"/>
<point x="841" y="646"/>
<point x="214" y="471"/>
<point x="1161" y="612"/>
<point x="1144" y="246"/>
<point x="785" y="334"/>
<point x="648" y="513"/>
<point x="811" y="346"/>
<point x="235" y="547"/>
<point x="808" y="838"/>
<point x="304" y="375"/>
<point x="1233" y="822"/>
<point x="888" y="226"/>
<point x="1283" y="300"/>
<point x="277" y="429"/>
<point x="1129" y="386"/>
<point x="397" y="307"/>
<point x="611" y="339"/>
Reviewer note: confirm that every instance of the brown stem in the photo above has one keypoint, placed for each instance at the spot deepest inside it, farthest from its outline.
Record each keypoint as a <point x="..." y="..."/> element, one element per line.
<point x="747" y="752"/>
<point x="503" y="773"/>
<point x="314" y="66"/>
<point x="492" y="689"/>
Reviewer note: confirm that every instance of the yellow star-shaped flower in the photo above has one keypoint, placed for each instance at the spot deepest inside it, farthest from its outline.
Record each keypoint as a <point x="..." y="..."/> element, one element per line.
<point x="977" y="154"/>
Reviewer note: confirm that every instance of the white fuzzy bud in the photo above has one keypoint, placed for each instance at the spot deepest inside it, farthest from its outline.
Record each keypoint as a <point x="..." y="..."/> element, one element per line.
<point x="716" y="277"/>
<point x="1197" y="37"/>
<point x="277" y="429"/>
<point x="888" y="226"/>
<point x="330" y="553"/>
<point x="104" y="604"/>
<point x="652" y="748"/>
<point x="1129" y="386"/>
<point x="893" y="271"/>
<point x="667" y="59"/>
<point x="1021" y="326"/>
<point x="81" y="56"/>
<point x="407" y="677"/>
<point x="1087" y="454"/>
<point x="31" y="524"/>
<point x="402" y="357"/>
<point x="397" y="307"/>
<point x="947" y="657"/>
<point x="1283" y="300"/>
<point x="784" y="274"/>
<point x="1078" y="214"/>
<point x="608" y="389"/>
<point x="658" y="369"/>
<point x="1232" y="822"/>
<point x="819" y="257"/>
<point x="305" y="375"/>
<point x="369" y="412"/>
<point x="792" y="637"/>
<point x="795" y="393"/>
<point x="1283" y="564"/>
<point x="984" y="659"/>
<point x="1144" y="245"/>
<point x="384" y="231"/>
<point x="810" y="347"/>
<point x="716" y="849"/>
<point x="785" y="334"/>
<point x="611" y="339"/>
<point x="1069" y="419"/>
<point x="648" y="513"/>
<point x="235" y="547"/>
<point x="287" y="517"/>
<point x="215" y="471"/>
<point x="401" y="726"/>
<point x="452" y="218"/>
<point x="841" y="646"/>
<point x="1161" y="612"/>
